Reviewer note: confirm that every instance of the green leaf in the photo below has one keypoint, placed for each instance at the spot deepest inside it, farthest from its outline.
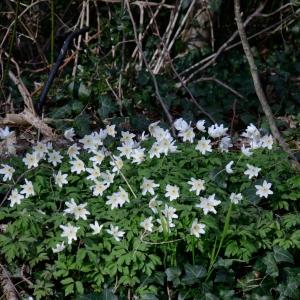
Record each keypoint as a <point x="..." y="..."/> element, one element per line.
<point x="173" y="274"/>
<point x="282" y="255"/>
<point x="82" y="124"/>
<point x="67" y="280"/>
<point x="289" y="290"/>
<point x="83" y="91"/>
<point x="107" y="106"/>
<point x="271" y="265"/>
<point x="107" y="295"/>
<point x="69" y="289"/>
<point x="193" y="273"/>
<point x="79" y="287"/>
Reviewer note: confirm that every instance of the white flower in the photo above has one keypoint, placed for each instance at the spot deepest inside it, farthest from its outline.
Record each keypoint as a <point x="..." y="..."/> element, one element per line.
<point x="77" y="166"/>
<point x="204" y="146"/>
<point x="181" y="125"/>
<point x="197" y="185"/>
<point x="197" y="228"/>
<point x="73" y="151"/>
<point x="7" y="171"/>
<point x="115" y="232"/>
<point x="122" y="196"/>
<point x="267" y="141"/>
<point x="148" y="186"/>
<point x="117" y="164"/>
<point x="27" y="189"/>
<point x="143" y="136"/>
<point x="127" y="137"/>
<point x="252" y="171"/>
<point x="59" y="247"/>
<point x="155" y="150"/>
<point x="264" y="190"/>
<point x="208" y="204"/>
<point x="55" y="158"/>
<point x="89" y="142"/>
<point x="101" y="135"/>
<point x="5" y="133"/>
<point x="169" y="212"/>
<point x="228" y="168"/>
<point x="99" y="188"/>
<point x="138" y="155"/>
<point x="110" y="129"/>
<point x="153" y="204"/>
<point x="94" y="173"/>
<point x="235" y="198"/>
<point x="15" y="198"/>
<point x="40" y="149"/>
<point x="31" y="160"/>
<point x="69" y="134"/>
<point x="200" y="125"/>
<point x="96" y="227"/>
<point x="225" y="144"/>
<point x="166" y="146"/>
<point x="147" y="224"/>
<point x="78" y="211"/>
<point x="216" y="131"/>
<point x="251" y="132"/>
<point x="69" y="232"/>
<point x="246" y="151"/>
<point x="172" y="191"/>
<point x="108" y="177"/>
<point x="97" y="158"/>
<point x="159" y="133"/>
<point x="113" y="201"/>
<point x="126" y="149"/>
<point x="153" y="127"/>
<point x="187" y="135"/>
<point x="60" y="179"/>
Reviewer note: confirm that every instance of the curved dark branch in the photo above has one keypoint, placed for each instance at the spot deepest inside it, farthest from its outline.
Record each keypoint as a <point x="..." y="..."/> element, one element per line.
<point x="55" y="68"/>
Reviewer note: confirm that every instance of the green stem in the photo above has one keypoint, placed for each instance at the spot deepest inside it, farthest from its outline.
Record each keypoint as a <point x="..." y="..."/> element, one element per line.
<point x="193" y="249"/>
<point x="129" y="186"/>
<point x="224" y="233"/>
<point x="11" y="42"/>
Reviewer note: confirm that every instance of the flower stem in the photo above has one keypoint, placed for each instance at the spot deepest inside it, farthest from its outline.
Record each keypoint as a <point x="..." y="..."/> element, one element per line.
<point x="224" y="233"/>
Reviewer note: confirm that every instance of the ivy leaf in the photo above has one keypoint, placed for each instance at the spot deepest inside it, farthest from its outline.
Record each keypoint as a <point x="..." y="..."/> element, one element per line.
<point x="107" y="106"/>
<point x="282" y="255"/>
<point x="82" y="124"/>
<point x="173" y="274"/>
<point x="193" y="273"/>
<point x="210" y="296"/>
<point x="289" y="290"/>
<point x="271" y="265"/>
<point x="107" y="295"/>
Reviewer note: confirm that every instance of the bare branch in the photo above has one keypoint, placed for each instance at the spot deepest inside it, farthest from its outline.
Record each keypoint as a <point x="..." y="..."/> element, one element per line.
<point x="223" y="84"/>
<point x="212" y="58"/>
<point x="168" y="115"/>
<point x="257" y="84"/>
